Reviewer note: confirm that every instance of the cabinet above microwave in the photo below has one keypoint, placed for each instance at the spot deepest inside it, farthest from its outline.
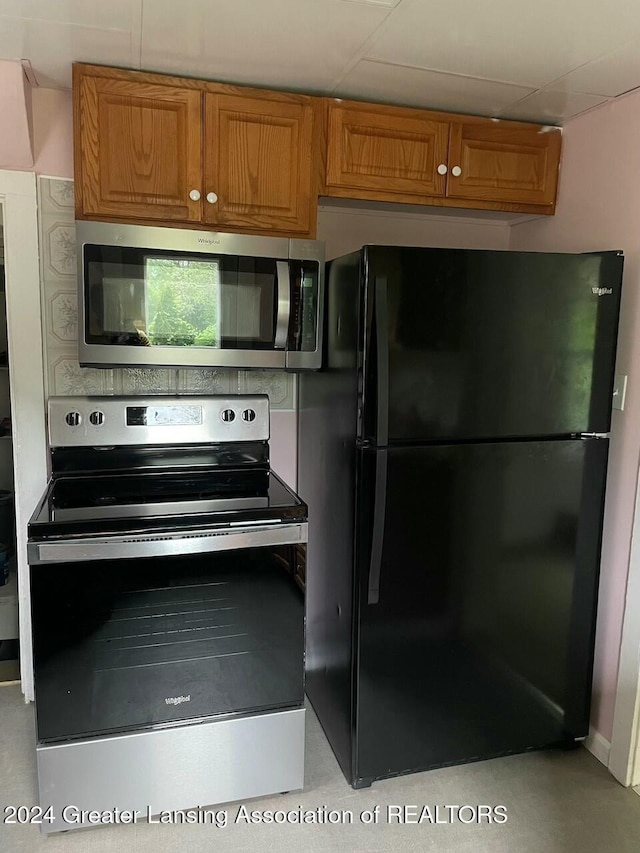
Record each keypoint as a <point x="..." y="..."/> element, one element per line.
<point x="165" y="297"/>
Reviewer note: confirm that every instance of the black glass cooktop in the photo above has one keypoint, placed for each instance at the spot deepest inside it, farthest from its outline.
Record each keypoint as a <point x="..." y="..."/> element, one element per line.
<point x="72" y="493"/>
<point x="163" y="500"/>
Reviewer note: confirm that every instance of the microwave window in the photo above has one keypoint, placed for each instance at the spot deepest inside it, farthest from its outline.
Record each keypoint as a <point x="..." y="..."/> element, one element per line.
<point x="167" y="300"/>
<point x="182" y="302"/>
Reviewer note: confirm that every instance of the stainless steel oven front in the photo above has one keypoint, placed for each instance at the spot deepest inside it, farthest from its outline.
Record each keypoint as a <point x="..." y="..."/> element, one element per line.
<point x="172" y="297"/>
<point x="168" y="618"/>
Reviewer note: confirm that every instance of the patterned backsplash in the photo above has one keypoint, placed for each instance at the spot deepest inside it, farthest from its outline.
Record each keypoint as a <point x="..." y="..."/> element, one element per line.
<point x="60" y="327"/>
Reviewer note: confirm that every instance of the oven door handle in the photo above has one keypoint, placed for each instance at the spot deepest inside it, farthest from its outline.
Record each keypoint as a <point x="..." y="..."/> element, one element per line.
<point x="122" y="547"/>
<point x="284" y="304"/>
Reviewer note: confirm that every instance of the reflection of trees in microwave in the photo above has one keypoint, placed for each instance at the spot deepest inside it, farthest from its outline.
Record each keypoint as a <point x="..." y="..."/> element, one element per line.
<point x="182" y="302"/>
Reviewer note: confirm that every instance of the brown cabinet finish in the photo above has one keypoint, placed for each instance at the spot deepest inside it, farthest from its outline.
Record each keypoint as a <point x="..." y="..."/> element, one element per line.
<point x="385" y="149"/>
<point x="504" y="161"/>
<point x="258" y="162"/>
<point x="138" y="150"/>
<point x="152" y="147"/>
<point x="397" y="154"/>
<point x="193" y="153"/>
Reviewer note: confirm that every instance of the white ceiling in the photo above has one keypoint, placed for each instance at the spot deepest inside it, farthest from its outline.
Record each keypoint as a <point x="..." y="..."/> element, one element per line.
<point x="545" y="61"/>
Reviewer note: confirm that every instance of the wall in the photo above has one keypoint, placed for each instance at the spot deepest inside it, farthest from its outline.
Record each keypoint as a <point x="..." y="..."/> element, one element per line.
<point x="52" y="132"/>
<point x="16" y="148"/>
<point x="347" y="226"/>
<point x="599" y="208"/>
<point x="36" y="125"/>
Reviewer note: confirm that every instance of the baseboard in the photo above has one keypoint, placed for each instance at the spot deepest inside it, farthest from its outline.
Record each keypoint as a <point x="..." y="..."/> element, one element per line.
<point x="598" y="746"/>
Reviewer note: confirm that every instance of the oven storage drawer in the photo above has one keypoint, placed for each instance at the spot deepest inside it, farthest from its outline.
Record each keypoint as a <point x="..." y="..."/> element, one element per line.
<point x="173" y="769"/>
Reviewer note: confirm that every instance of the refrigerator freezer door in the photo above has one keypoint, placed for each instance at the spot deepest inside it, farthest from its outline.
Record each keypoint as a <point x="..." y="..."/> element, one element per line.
<point x="480" y="344"/>
<point x="478" y="641"/>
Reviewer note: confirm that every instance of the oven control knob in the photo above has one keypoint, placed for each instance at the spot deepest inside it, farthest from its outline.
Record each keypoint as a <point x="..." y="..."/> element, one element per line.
<point x="228" y="415"/>
<point x="73" y="418"/>
<point x="248" y="415"/>
<point x="96" y="418"/>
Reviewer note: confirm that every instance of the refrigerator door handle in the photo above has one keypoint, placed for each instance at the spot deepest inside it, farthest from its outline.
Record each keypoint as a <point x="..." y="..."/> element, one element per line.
<point x="382" y="345"/>
<point x="377" y="539"/>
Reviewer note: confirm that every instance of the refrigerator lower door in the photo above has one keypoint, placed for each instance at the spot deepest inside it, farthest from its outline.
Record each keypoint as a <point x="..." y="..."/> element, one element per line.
<point x="477" y="584"/>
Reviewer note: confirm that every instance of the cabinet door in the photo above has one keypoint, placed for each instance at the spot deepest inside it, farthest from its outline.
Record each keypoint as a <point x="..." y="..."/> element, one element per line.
<point x="138" y="149"/>
<point x="384" y="149"/>
<point x="504" y="161"/>
<point x="258" y="162"/>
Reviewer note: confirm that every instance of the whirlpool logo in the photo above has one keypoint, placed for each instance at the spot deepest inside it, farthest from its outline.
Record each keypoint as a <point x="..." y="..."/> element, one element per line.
<point x="602" y="291"/>
<point x="177" y="700"/>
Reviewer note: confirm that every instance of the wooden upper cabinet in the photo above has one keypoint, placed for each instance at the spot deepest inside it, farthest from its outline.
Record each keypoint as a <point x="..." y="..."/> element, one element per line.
<point x="138" y="149"/>
<point x="386" y="153"/>
<point x="258" y="162"/>
<point x="503" y="161"/>
<point x="152" y="147"/>
<point x="384" y="150"/>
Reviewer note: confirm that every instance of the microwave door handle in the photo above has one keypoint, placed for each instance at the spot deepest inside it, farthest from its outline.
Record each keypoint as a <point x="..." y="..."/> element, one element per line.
<point x="284" y="304"/>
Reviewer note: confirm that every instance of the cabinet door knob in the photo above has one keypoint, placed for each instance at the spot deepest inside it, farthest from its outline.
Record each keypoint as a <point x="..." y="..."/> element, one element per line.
<point x="456" y="171"/>
<point x="212" y="198"/>
<point x="442" y="169"/>
<point x="194" y="195"/>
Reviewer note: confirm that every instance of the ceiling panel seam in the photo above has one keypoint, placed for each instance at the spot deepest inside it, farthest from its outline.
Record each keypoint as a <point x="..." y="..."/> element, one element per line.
<point x="393" y="13"/>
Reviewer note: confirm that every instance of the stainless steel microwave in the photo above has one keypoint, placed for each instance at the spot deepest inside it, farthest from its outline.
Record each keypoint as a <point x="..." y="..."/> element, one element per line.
<point x="169" y="297"/>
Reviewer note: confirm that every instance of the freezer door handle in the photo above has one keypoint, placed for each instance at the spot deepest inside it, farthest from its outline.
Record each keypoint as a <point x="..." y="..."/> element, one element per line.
<point x="377" y="538"/>
<point x="382" y="366"/>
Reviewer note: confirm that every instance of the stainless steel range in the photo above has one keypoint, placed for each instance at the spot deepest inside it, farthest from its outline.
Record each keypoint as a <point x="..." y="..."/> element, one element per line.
<point x="168" y="623"/>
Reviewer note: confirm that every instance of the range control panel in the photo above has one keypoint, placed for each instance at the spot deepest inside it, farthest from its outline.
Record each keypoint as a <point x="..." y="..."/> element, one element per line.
<point x="114" y="421"/>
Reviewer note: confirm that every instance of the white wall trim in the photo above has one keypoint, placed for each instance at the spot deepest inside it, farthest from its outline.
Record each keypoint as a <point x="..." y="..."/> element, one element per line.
<point x="624" y="759"/>
<point x="598" y="746"/>
<point x="26" y="372"/>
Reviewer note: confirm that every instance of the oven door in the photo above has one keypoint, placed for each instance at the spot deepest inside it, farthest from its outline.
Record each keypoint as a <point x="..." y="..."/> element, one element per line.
<point x="132" y="644"/>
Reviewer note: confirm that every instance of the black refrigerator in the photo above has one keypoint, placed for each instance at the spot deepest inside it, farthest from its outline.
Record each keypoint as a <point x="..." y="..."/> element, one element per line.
<point x="453" y="453"/>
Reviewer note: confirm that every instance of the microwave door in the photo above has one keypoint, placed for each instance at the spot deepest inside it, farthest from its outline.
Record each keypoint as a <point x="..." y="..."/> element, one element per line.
<point x="306" y="288"/>
<point x="167" y="297"/>
<point x="163" y="308"/>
